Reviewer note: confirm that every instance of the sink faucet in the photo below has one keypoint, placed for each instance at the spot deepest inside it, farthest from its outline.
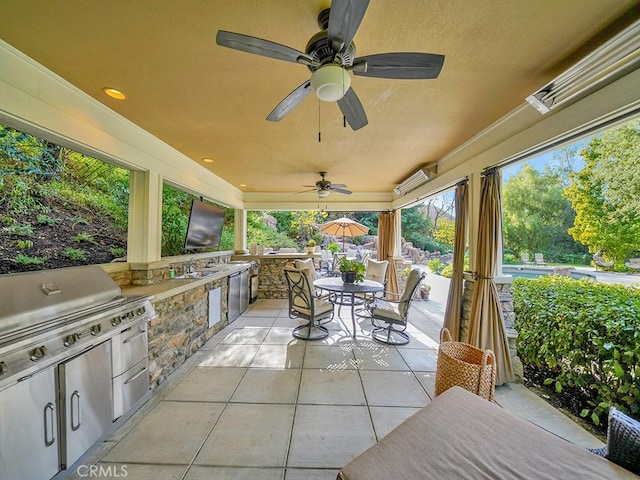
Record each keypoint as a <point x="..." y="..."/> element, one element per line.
<point x="192" y="261"/>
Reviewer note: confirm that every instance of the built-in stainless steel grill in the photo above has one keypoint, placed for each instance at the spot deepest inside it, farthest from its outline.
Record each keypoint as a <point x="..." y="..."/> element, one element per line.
<point x="48" y="316"/>
<point x="63" y="337"/>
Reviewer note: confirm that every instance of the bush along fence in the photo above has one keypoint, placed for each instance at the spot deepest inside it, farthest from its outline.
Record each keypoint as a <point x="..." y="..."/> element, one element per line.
<point x="586" y="335"/>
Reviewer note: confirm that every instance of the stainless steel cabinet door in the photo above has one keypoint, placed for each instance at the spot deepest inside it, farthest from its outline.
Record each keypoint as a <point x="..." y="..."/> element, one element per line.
<point x="87" y="396"/>
<point x="29" y="428"/>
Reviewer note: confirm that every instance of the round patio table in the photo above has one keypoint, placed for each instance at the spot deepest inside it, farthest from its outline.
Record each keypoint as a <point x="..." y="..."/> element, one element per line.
<point x="344" y="293"/>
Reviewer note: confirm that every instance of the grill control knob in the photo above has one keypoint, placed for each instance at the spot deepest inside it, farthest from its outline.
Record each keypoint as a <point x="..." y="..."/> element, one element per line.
<point x="116" y="321"/>
<point x="96" y="329"/>
<point x="142" y="310"/>
<point x="130" y="314"/>
<point x="3" y="368"/>
<point x="38" y="353"/>
<point x="71" y="339"/>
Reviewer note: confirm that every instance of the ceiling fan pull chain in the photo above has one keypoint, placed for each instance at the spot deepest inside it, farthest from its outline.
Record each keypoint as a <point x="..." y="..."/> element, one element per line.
<point x="319" y="134"/>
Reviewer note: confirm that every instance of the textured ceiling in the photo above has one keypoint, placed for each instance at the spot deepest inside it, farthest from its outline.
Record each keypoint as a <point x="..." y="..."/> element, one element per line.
<point x="209" y="101"/>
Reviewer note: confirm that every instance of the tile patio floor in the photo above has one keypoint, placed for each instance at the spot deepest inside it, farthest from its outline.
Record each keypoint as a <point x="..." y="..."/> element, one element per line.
<point x="255" y="403"/>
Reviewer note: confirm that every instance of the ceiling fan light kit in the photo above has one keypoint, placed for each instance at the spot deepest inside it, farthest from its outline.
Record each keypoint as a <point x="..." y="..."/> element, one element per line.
<point x="330" y="82"/>
<point x="324" y="187"/>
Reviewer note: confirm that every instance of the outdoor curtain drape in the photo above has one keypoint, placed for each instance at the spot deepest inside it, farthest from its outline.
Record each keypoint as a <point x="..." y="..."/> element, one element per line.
<point x="386" y="246"/>
<point x="486" y="328"/>
<point x="454" y="300"/>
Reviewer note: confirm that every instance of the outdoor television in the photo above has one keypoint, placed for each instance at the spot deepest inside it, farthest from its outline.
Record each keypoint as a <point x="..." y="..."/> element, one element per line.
<point x="205" y="226"/>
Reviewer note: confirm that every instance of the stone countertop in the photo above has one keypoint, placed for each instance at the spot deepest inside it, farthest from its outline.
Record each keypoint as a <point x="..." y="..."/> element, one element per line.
<point x="280" y="256"/>
<point x="175" y="286"/>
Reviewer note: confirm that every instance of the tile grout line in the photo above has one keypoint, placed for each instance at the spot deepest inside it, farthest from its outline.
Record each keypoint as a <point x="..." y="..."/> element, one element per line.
<point x="366" y="400"/>
<point x="215" y="423"/>
<point x="295" y="411"/>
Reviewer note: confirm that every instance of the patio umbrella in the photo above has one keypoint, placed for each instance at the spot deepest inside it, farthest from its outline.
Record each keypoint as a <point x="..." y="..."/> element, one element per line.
<point x="343" y="227"/>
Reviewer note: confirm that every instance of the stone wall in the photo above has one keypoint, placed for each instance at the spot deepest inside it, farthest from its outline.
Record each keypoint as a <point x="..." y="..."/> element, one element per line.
<point x="271" y="281"/>
<point x="153" y="273"/>
<point x="503" y="285"/>
<point x="181" y="328"/>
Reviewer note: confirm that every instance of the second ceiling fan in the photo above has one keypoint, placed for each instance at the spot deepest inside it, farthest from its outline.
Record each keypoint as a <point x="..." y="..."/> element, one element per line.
<point x="330" y="55"/>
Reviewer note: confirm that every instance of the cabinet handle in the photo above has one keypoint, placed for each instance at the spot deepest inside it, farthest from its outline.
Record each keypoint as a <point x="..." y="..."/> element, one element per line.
<point x="75" y="419"/>
<point x="49" y="408"/>
<point x="135" y="375"/>
<point x="139" y="334"/>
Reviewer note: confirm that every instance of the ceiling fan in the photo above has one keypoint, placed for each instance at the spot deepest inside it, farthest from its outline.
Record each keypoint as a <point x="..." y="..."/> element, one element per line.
<point x="324" y="187"/>
<point x="330" y="55"/>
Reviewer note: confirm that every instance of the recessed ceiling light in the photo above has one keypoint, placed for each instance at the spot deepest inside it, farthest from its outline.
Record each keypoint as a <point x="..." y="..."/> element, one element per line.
<point x="243" y="184"/>
<point x="113" y="93"/>
<point x="207" y="160"/>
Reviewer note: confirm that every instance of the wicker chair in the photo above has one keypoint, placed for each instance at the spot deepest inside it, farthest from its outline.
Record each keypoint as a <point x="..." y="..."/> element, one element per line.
<point x="599" y="260"/>
<point x="632" y="260"/>
<point x="305" y="303"/>
<point x="389" y="318"/>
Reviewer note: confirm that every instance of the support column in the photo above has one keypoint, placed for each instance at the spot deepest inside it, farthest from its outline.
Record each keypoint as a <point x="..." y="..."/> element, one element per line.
<point x="240" y="231"/>
<point x="144" y="238"/>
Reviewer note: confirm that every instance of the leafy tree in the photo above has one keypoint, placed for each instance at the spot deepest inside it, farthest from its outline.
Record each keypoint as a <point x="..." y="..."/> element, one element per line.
<point x="303" y="225"/>
<point x="566" y="162"/>
<point x="536" y="215"/>
<point x="21" y="153"/>
<point x="606" y="193"/>
<point x="445" y="231"/>
<point x="416" y="228"/>
<point x="442" y="206"/>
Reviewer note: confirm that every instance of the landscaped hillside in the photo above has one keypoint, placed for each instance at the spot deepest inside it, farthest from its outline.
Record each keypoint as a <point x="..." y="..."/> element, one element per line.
<point x="58" y="208"/>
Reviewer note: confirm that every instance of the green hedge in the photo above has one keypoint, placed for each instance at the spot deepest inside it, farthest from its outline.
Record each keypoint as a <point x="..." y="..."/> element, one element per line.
<point x="587" y="334"/>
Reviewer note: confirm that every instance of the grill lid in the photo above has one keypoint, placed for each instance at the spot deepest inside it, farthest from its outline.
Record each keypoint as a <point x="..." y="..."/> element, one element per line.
<point x="27" y="299"/>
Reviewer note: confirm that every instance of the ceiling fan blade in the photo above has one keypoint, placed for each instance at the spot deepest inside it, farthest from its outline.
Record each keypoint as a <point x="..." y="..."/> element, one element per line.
<point x="345" y="17"/>
<point x="341" y="190"/>
<point x="258" y="46"/>
<point x="305" y="191"/>
<point x="399" y="65"/>
<point x="353" y="110"/>
<point x="290" y="102"/>
<point x="338" y="185"/>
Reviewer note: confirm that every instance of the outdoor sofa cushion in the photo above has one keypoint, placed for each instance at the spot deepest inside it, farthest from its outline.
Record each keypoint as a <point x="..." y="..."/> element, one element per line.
<point x="460" y="436"/>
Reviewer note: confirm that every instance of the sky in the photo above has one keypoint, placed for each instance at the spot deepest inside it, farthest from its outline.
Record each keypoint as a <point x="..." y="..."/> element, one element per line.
<point x="538" y="162"/>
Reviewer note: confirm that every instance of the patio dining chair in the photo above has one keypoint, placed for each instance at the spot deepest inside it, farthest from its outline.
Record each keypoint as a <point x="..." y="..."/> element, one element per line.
<point x="335" y="264"/>
<point x="376" y="271"/>
<point x="326" y="262"/>
<point x="389" y="317"/>
<point x="305" y="303"/>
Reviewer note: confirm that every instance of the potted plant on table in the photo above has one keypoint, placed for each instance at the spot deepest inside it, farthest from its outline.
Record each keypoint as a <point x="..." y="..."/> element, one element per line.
<point x="352" y="270"/>
<point x="425" y="288"/>
<point x="311" y="246"/>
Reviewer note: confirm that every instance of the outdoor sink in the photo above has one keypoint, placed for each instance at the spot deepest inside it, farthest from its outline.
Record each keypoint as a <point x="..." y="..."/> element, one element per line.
<point x="223" y="267"/>
<point x="199" y="274"/>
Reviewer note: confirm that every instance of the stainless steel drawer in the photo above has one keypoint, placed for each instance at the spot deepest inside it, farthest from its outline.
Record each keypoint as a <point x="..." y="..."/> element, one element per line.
<point x="130" y="387"/>
<point x="130" y="347"/>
